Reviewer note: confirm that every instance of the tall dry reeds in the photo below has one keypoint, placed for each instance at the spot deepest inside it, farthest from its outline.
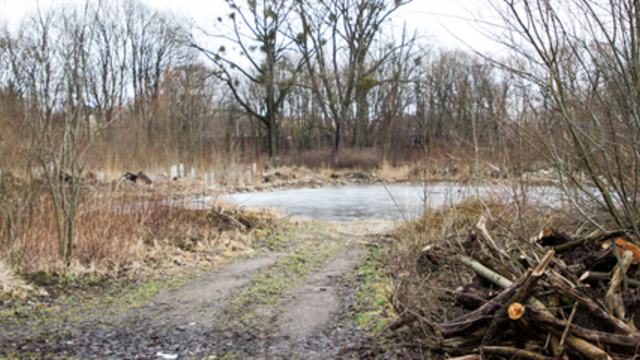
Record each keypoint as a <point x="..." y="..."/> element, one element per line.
<point x="124" y="230"/>
<point x="109" y="233"/>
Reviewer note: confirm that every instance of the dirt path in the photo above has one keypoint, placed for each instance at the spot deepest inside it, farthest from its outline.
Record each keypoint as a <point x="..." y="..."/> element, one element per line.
<point x="294" y="300"/>
<point x="310" y="306"/>
<point x="198" y="303"/>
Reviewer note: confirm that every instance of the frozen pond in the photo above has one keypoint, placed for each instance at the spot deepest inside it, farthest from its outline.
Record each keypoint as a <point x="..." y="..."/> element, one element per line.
<point x="361" y="202"/>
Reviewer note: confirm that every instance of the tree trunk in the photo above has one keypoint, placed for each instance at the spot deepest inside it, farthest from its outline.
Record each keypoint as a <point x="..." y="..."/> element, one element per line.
<point x="362" y="115"/>
<point x="335" y="150"/>
<point x="273" y="139"/>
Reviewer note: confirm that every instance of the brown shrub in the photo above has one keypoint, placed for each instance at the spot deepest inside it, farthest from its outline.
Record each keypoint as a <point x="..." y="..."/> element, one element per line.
<point x="313" y="159"/>
<point x="366" y="159"/>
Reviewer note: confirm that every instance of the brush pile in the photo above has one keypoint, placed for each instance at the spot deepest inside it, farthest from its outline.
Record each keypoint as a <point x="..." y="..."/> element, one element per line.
<point x="550" y="297"/>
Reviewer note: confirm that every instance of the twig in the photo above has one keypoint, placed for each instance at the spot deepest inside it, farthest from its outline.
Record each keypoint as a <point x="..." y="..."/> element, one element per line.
<point x="400" y="321"/>
<point x="395" y="203"/>
<point x="597" y="235"/>
<point x="563" y="289"/>
<point x="560" y="348"/>
<point x="481" y="225"/>
<point x="584" y="347"/>
<point x="628" y="341"/>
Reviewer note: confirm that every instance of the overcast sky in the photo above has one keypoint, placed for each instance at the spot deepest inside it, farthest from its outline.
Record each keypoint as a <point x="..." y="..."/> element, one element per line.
<point x="445" y="21"/>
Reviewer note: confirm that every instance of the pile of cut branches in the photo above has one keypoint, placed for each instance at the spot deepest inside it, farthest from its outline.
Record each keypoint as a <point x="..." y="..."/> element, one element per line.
<point x="550" y="297"/>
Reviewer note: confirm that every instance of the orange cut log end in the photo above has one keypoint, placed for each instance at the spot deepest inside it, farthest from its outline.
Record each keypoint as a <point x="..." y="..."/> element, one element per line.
<point x="516" y="310"/>
<point x="629" y="246"/>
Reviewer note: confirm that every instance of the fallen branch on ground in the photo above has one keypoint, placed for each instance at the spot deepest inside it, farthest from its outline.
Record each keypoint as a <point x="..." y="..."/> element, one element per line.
<point x="552" y="310"/>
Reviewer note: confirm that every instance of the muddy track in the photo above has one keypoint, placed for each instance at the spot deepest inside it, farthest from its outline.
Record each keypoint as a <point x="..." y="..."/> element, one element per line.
<point x="294" y="302"/>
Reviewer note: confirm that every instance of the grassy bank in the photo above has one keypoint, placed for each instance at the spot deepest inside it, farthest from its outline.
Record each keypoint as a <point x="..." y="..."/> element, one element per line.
<point x="120" y="232"/>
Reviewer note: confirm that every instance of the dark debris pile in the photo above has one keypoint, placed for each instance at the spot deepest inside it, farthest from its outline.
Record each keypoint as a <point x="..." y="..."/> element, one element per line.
<point x="553" y="296"/>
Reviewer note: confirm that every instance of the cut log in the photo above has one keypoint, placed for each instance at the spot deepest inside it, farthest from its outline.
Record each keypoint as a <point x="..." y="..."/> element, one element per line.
<point x="539" y="317"/>
<point x="588" y="304"/>
<point x="629" y="246"/>
<point x="473" y="320"/>
<point x="516" y="310"/>
<point x="594" y="237"/>
<point x="520" y="295"/>
<point x="514" y="353"/>
<point x="551" y="237"/>
<point x="612" y="298"/>
<point x="592" y="276"/>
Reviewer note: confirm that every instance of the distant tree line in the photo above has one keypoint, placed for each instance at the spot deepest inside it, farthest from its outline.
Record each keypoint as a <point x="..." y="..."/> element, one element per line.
<point x="276" y="76"/>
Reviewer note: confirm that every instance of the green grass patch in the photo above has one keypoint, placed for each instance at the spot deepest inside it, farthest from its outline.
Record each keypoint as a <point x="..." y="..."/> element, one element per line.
<point x="372" y="292"/>
<point x="307" y="249"/>
<point x="89" y="308"/>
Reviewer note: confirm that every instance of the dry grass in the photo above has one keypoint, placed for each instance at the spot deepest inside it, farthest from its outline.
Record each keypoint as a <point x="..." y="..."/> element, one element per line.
<point x="107" y="234"/>
<point x="387" y="171"/>
<point x="133" y="229"/>
<point x="10" y="284"/>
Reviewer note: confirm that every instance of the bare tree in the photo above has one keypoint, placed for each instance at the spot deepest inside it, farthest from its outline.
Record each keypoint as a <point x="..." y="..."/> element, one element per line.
<point x="259" y="30"/>
<point x="336" y="42"/>
<point x="187" y="106"/>
<point x="152" y="37"/>
<point x="107" y="92"/>
<point x="390" y="99"/>
<point x="15" y="195"/>
<point x="584" y="60"/>
<point x="50" y="63"/>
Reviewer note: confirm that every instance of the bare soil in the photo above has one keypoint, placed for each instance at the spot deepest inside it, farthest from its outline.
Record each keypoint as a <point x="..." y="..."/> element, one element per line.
<point x="225" y="313"/>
